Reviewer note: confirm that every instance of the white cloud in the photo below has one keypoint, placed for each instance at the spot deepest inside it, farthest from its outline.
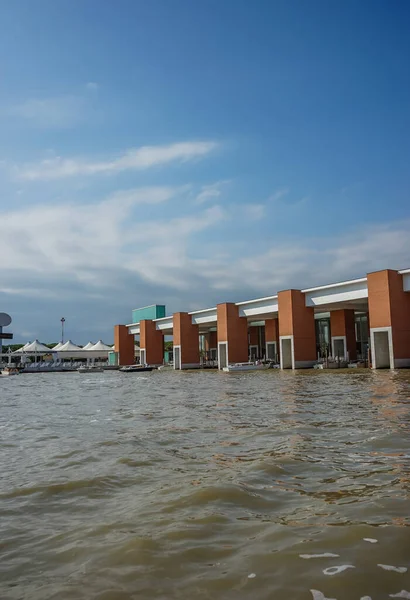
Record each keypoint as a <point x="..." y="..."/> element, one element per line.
<point x="58" y="112"/>
<point x="254" y="212"/>
<point x="98" y="257"/>
<point x="149" y="195"/>
<point x="210" y="192"/>
<point x="283" y="204"/>
<point x="82" y="242"/>
<point x="141" y="158"/>
<point x="92" y="244"/>
<point x="281" y="193"/>
<point x="92" y="85"/>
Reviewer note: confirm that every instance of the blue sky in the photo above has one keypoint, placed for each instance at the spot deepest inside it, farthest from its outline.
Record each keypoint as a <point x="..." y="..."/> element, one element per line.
<point x="190" y="153"/>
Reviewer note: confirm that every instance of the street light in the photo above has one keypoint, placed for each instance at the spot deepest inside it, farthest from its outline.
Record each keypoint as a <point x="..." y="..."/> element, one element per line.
<point x="62" y="329"/>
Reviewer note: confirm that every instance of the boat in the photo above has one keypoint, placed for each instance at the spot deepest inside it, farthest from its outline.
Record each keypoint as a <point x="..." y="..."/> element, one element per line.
<point x="136" y="369"/>
<point x="7" y="371"/>
<point x="246" y="366"/>
<point x="86" y="369"/>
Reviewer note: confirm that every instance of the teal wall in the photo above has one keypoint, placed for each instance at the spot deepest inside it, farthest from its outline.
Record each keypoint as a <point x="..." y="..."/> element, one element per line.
<point x="156" y="311"/>
<point x="168" y="355"/>
<point x="113" y="358"/>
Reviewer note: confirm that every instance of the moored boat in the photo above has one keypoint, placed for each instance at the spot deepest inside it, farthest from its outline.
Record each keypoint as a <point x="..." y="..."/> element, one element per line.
<point x="136" y="369"/>
<point x="86" y="369"/>
<point x="246" y="366"/>
<point x="7" y="371"/>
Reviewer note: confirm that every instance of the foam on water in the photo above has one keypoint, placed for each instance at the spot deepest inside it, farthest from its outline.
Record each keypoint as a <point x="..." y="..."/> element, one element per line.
<point x="317" y="595"/>
<point x="324" y="555"/>
<point x="337" y="570"/>
<point x="392" y="568"/>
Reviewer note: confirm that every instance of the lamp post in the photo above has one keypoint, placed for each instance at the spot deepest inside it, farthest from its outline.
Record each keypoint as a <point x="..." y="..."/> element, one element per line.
<point x="62" y="329"/>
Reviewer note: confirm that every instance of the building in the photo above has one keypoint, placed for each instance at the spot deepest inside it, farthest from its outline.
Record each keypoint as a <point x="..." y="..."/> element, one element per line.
<point x="294" y="326"/>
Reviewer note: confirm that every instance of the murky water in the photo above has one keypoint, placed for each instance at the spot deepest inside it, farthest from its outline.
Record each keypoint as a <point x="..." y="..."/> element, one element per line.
<point x="205" y="485"/>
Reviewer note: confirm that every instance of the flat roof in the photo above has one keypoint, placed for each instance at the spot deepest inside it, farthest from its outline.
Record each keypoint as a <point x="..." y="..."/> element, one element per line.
<point x="149" y="306"/>
<point x="273" y="297"/>
<point x="333" y="285"/>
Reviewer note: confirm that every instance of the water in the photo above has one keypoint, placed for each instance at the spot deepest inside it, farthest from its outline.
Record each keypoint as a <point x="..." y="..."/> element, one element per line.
<point x="204" y="485"/>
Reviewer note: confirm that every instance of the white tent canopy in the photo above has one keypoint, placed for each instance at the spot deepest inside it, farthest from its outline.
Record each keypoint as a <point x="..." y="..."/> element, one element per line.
<point x="71" y="350"/>
<point x="35" y="347"/>
<point x="22" y="349"/>
<point x="68" y="350"/>
<point x="99" y="350"/>
<point x="88" y="346"/>
<point x="100" y="346"/>
<point x="69" y="347"/>
<point x="90" y="351"/>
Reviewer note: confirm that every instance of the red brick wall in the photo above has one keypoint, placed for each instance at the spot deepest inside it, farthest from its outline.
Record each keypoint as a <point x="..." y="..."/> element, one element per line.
<point x="389" y="306"/>
<point x="153" y="341"/>
<point x="124" y="345"/>
<point x="297" y="319"/>
<point x="211" y="340"/>
<point x="272" y="330"/>
<point x="186" y="335"/>
<point x="253" y="336"/>
<point x="233" y="329"/>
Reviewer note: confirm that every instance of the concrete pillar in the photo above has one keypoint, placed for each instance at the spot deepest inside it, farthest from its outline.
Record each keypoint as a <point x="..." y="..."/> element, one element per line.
<point x="389" y="312"/>
<point x="151" y="344"/>
<point x="297" y="334"/>
<point x="342" y="329"/>
<point x="186" y="342"/>
<point x="232" y="335"/>
<point x="124" y="345"/>
<point x="272" y="338"/>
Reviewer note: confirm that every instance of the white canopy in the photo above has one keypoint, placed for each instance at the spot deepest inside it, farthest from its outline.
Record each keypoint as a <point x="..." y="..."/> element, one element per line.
<point x="67" y="350"/>
<point x="98" y="350"/>
<point x="69" y="347"/>
<point x="34" y="348"/>
<point x="71" y="350"/>
<point x="90" y="351"/>
<point x="100" y="346"/>
<point x="88" y="346"/>
<point x="21" y="350"/>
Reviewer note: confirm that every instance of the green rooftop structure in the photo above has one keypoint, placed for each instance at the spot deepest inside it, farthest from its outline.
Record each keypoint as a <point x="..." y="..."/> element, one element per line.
<point x="155" y="311"/>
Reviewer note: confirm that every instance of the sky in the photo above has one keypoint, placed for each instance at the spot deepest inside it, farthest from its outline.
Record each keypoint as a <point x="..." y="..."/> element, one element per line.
<point x="194" y="152"/>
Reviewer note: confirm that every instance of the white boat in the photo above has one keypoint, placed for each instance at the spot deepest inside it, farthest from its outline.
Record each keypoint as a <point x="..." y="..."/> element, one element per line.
<point x="85" y="369"/>
<point x="136" y="368"/>
<point x="7" y="371"/>
<point x="246" y="366"/>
